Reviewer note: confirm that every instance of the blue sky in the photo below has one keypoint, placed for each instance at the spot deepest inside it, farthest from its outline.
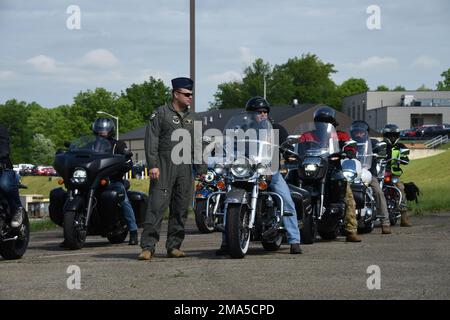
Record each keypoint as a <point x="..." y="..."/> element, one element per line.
<point x="125" y="42"/>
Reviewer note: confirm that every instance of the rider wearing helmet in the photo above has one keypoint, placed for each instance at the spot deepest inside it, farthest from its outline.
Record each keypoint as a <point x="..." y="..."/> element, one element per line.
<point x="104" y="127"/>
<point x="391" y="135"/>
<point x="328" y="115"/>
<point x="359" y="131"/>
<point x="277" y="184"/>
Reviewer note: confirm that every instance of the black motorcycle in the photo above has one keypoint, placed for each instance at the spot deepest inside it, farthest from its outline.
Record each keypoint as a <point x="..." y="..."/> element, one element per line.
<point x="209" y="204"/>
<point x="13" y="241"/>
<point x="90" y="206"/>
<point x="318" y="170"/>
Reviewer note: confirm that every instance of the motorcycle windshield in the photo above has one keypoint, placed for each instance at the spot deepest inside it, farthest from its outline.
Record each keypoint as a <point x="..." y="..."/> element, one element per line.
<point x="91" y="144"/>
<point x="317" y="139"/>
<point x="250" y="137"/>
<point x="364" y="146"/>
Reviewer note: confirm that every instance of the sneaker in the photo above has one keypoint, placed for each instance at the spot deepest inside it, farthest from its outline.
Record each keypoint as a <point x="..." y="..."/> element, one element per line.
<point x="17" y="218"/>
<point x="295" y="249"/>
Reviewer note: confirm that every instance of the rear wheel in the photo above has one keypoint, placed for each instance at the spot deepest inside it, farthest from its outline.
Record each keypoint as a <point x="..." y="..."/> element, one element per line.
<point x="15" y="249"/>
<point x="237" y="230"/>
<point x="204" y="225"/>
<point x="74" y="230"/>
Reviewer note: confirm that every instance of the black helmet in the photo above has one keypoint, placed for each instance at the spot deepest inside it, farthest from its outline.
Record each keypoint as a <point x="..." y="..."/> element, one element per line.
<point x="256" y="103"/>
<point x="359" y="126"/>
<point x="103" y="125"/>
<point x="391" y="133"/>
<point x="326" y="114"/>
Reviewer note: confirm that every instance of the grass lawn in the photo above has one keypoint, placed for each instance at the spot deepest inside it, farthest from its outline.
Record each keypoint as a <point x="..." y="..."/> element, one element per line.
<point x="432" y="176"/>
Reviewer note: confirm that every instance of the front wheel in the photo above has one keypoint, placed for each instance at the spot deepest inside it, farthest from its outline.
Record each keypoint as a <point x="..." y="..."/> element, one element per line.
<point x="237" y="230"/>
<point x="204" y="225"/>
<point x="74" y="230"/>
<point x="15" y="249"/>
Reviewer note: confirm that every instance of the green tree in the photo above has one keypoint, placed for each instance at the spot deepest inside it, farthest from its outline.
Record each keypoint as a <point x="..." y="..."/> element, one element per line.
<point x="42" y="150"/>
<point x="423" y="88"/>
<point x="353" y="86"/>
<point x="148" y="95"/>
<point x="399" y="88"/>
<point x="382" y="87"/>
<point x="444" y="84"/>
<point x="14" y="115"/>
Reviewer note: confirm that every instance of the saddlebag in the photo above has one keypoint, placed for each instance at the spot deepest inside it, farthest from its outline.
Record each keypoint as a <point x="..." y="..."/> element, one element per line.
<point x="139" y="203"/>
<point x="58" y="198"/>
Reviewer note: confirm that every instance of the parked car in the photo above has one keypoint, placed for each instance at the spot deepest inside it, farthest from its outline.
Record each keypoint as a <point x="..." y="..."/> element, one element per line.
<point x="431" y="131"/>
<point x="408" y="133"/>
<point x="46" y="171"/>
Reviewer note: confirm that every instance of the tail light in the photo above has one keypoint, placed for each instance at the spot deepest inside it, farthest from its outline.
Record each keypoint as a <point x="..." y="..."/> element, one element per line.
<point x="387" y="177"/>
<point x="104" y="182"/>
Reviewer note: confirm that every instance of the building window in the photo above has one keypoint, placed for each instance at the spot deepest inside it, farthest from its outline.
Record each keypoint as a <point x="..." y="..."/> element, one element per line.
<point x="353" y="112"/>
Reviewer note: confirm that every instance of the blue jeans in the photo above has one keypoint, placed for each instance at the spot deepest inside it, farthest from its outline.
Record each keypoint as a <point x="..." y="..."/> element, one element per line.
<point x="279" y="185"/>
<point x="8" y="184"/>
<point x="127" y="209"/>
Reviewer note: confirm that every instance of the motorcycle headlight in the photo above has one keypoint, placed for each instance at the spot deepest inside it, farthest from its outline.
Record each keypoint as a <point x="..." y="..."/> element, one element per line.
<point x="262" y="168"/>
<point x="79" y="176"/>
<point x="219" y="168"/>
<point x="349" y="175"/>
<point x="241" y="170"/>
<point x="395" y="180"/>
<point x="310" y="167"/>
<point x="209" y="177"/>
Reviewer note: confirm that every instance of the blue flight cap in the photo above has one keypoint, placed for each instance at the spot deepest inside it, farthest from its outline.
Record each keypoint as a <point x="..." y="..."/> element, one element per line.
<point x="182" y="82"/>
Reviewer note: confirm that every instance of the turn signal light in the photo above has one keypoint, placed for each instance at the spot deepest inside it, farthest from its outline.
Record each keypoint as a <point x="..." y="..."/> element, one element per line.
<point x="60" y="182"/>
<point x="262" y="185"/>
<point x="221" y="185"/>
<point x="103" y="182"/>
<point x="387" y="178"/>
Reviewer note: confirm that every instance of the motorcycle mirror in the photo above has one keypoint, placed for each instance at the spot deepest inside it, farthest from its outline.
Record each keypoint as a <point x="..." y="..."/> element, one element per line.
<point x="350" y="143"/>
<point x="380" y="148"/>
<point x="404" y="152"/>
<point x="293" y="139"/>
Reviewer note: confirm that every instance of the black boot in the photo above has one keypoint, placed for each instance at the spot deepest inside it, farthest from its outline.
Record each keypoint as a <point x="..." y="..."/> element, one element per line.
<point x="295" y="249"/>
<point x="133" y="238"/>
<point x="222" y="251"/>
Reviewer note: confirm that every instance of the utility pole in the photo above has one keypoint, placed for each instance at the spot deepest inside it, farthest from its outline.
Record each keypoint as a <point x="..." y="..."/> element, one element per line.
<point x="192" y="50"/>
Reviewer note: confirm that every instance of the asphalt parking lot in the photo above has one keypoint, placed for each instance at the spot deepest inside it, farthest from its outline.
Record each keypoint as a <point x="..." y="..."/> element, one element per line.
<point x="412" y="263"/>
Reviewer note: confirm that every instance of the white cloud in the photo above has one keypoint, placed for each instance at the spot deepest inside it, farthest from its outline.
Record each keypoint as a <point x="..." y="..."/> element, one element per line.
<point x="425" y="62"/>
<point x="100" y="58"/>
<point x="246" y="56"/>
<point x="225" y="77"/>
<point x="374" y="62"/>
<point x="43" y="63"/>
<point x="6" y="74"/>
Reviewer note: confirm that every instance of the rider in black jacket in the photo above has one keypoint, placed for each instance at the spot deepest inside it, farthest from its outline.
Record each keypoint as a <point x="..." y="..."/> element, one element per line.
<point x="9" y="180"/>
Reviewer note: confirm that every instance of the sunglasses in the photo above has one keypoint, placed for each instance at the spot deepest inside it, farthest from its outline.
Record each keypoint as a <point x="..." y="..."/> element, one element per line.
<point x="262" y="111"/>
<point x="186" y="94"/>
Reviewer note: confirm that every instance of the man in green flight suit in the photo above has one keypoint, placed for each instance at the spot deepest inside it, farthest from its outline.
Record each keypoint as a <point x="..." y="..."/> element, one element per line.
<point x="171" y="181"/>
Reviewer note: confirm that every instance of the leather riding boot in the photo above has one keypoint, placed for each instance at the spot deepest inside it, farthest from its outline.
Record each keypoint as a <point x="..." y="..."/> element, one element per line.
<point x="133" y="238"/>
<point x="405" y="220"/>
<point x="353" y="237"/>
<point x="386" y="229"/>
